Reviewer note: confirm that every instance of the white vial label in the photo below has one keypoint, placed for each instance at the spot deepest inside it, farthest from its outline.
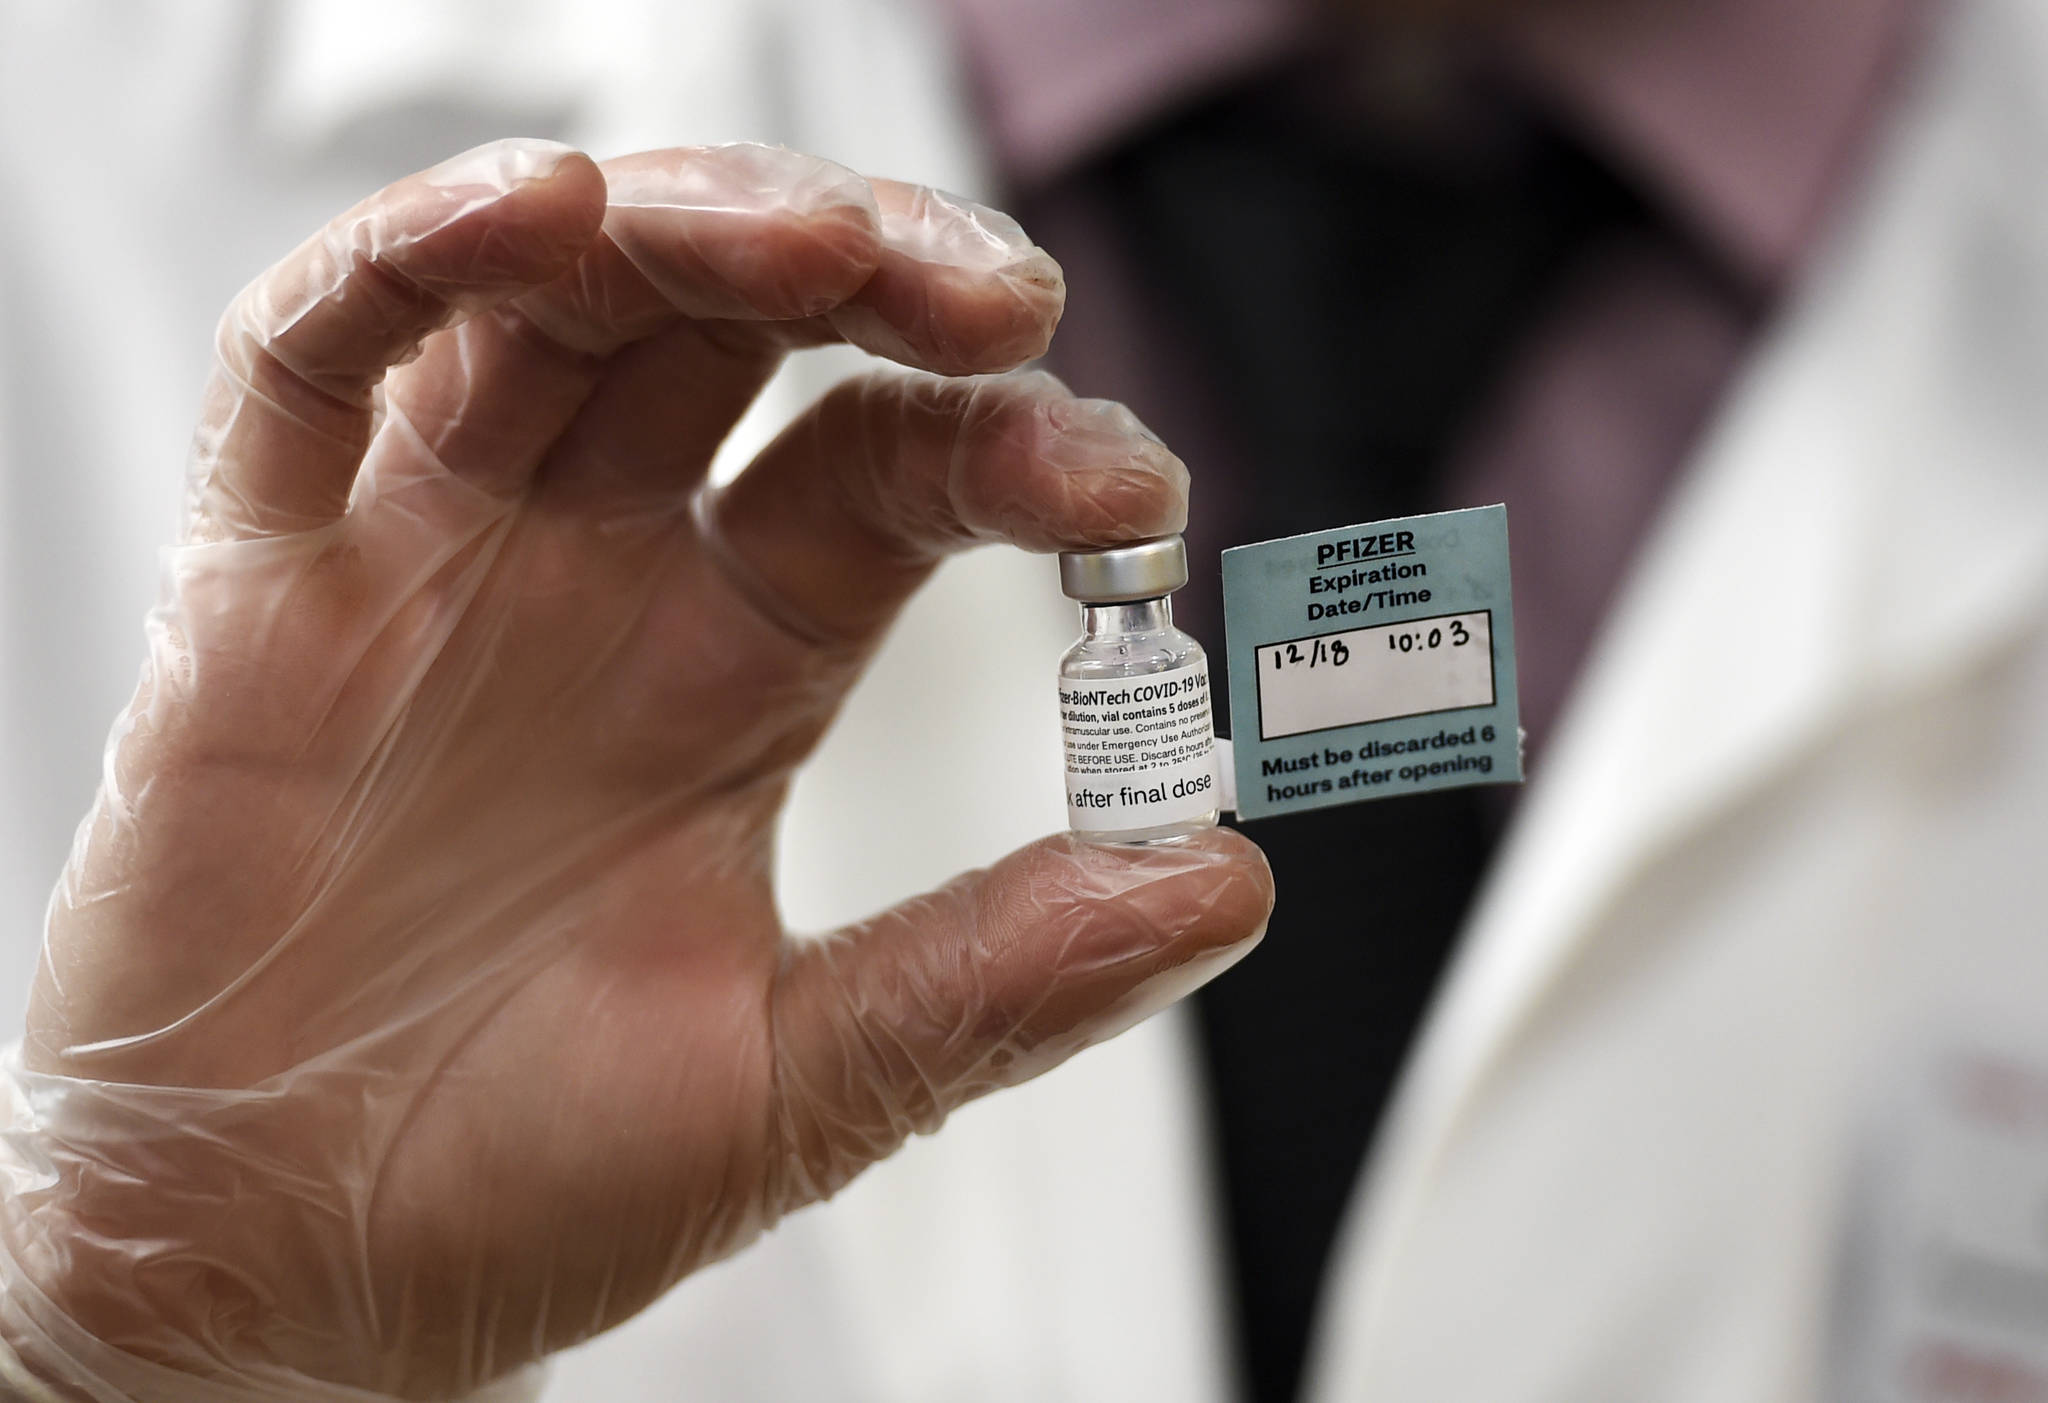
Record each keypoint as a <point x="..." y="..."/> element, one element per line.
<point x="1139" y="749"/>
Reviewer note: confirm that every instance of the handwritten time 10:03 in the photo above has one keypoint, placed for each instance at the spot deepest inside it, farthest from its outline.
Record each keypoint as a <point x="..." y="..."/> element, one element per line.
<point x="1335" y="652"/>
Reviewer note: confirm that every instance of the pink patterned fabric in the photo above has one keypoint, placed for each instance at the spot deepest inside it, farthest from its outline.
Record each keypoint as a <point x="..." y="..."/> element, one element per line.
<point x="1746" y="114"/>
<point x="1059" y="79"/>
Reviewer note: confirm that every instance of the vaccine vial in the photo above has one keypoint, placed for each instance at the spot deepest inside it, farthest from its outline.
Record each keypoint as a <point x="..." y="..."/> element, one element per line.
<point x="1134" y="700"/>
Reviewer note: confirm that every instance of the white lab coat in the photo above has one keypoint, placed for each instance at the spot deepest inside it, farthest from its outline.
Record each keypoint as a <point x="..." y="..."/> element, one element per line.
<point x="1790" y="829"/>
<point x="1789" y="840"/>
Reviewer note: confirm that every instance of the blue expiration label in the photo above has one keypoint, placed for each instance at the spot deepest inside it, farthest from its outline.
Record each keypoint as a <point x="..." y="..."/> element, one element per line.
<point x="1372" y="660"/>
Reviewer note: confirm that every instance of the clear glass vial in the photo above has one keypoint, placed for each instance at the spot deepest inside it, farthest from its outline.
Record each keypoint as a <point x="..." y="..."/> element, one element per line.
<point x="1134" y="700"/>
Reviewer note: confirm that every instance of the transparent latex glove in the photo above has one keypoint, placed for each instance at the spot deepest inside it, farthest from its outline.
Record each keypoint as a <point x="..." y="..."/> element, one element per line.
<point x="414" y="1002"/>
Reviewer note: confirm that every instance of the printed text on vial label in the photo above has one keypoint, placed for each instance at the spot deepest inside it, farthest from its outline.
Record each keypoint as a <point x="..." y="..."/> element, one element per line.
<point x="1139" y="749"/>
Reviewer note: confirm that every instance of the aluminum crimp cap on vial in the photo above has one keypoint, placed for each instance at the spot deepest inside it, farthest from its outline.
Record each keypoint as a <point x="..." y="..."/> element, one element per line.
<point x="1123" y="574"/>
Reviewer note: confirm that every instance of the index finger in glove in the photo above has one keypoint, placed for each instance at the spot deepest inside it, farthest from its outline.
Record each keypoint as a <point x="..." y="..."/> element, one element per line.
<point x="960" y="289"/>
<point x="693" y="239"/>
<point x="883" y="1029"/>
<point x="288" y="413"/>
<point x="713" y="262"/>
<point x="846" y="513"/>
<point x="922" y="277"/>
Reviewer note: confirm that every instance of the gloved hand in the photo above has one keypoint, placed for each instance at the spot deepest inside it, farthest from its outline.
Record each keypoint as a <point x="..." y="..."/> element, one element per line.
<point x="414" y="1002"/>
